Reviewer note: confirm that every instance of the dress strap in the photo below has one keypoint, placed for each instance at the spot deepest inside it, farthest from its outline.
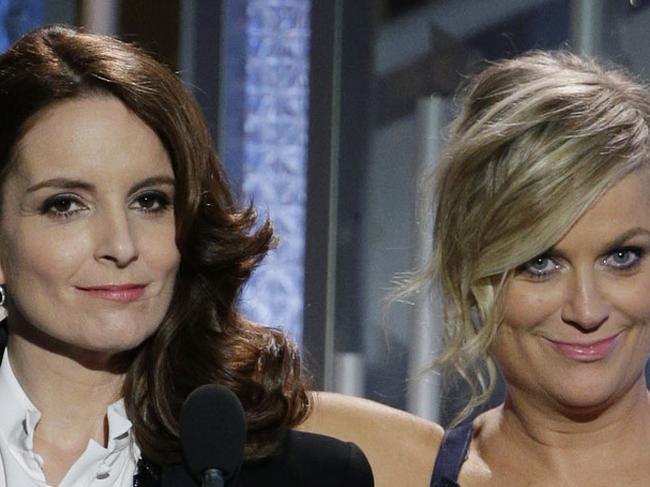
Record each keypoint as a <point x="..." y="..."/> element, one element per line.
<point x="452" y="454"/>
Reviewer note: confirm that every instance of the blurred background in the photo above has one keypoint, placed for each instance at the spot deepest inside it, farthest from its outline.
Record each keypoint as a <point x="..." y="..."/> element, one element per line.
<point x="326" y="114"/>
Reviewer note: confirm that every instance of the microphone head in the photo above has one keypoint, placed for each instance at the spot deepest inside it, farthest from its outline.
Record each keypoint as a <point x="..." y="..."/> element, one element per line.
<point x="213" y="430"/>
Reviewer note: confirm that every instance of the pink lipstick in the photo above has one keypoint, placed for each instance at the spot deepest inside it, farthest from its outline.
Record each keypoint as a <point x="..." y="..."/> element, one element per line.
<point x="587" y="352"/>
<point x="122" y="293"/>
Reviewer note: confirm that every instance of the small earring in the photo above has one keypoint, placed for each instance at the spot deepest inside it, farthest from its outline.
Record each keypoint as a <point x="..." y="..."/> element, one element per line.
<point x="3" y="300"/>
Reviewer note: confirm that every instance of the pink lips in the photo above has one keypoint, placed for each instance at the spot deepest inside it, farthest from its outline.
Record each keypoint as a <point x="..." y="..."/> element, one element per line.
<point x="587" y="352"/>
<point x="122" y="293"/>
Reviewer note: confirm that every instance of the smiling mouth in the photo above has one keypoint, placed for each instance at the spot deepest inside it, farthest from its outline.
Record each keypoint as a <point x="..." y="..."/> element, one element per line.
<point x="124" y="293"/>
<point x="587" y="352"/>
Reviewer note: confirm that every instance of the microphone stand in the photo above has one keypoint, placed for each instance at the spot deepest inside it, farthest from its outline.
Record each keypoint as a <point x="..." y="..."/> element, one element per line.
<point x="212" y="478"/>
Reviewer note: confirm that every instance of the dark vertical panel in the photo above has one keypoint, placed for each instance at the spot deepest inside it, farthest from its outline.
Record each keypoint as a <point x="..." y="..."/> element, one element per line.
<point x="321" y="150"/>
<point x="231" y="130"/>
<point x="356" y="90"/>
<point x="207" y="62"/>
<point x="153" y="25"/>
<point x="206" y="45"/>
<point x="62" y="11"/>
<point x="340" y="127"/>
<point x="395" y="8"/>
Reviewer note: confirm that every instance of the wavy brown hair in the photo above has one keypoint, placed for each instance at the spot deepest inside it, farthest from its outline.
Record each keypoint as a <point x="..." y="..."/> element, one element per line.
<point x="203" y="337"/>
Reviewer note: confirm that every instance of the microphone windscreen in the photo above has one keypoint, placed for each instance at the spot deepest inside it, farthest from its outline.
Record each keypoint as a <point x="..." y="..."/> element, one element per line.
<point x="213" y="430"/>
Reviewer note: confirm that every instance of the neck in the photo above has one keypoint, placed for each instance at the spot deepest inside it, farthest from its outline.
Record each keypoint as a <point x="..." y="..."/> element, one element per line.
<point x="566" y="445"/>
<point x="71" y="396"/>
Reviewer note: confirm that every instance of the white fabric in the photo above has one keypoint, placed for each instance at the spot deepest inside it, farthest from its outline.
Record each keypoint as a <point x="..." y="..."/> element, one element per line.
<point x="113" y="466"/>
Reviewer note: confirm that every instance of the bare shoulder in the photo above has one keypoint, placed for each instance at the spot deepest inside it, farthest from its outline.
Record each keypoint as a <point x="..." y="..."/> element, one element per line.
<point x="400" y="447"/>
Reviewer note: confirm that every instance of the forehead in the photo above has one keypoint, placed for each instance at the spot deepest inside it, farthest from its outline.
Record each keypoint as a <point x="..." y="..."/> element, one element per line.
<point x="625" y="206"/>
<point x="95" y="135"/>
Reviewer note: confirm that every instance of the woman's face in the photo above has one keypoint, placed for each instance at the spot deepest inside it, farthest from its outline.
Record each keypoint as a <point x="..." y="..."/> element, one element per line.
<point x="87" y="236"/>
<point x="576" y="331"/>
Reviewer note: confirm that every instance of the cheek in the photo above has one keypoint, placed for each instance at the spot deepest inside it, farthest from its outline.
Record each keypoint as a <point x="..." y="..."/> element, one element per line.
<point x="527" y="304"/>
<point x="43" y="254"/>
<point x="159" y="245"/>
<point x="528" y="308"/>
<point x="631" y="297"/>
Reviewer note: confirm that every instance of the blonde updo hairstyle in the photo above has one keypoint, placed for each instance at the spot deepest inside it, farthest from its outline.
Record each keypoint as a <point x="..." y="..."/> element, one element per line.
<point x="537" y="141"/>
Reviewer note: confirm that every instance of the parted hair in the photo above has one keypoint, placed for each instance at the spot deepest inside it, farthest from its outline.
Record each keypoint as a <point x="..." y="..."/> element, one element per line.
<point x="537" y="140"/>
<point x="203" y="337"/>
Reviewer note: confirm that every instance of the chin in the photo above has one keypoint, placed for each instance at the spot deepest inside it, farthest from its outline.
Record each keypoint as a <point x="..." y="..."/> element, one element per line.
<point x="587" y="400"/>
<point x="87" y="333"/>
<point x="118" y="339"/>
<point x="106" y="353"/>
<point x="96" y="338"/>
<point x="112" y="347"/>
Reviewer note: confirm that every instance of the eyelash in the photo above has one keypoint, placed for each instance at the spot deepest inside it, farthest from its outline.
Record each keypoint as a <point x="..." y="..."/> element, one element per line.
<point x="49" y="206"/>
<point x="637" y="252"/>
<point x="162" y="202"/>
<point x="526" y="268"/>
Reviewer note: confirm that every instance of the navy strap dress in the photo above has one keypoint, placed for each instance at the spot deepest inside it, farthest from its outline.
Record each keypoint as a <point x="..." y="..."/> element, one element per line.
<point x="451" y="456"/>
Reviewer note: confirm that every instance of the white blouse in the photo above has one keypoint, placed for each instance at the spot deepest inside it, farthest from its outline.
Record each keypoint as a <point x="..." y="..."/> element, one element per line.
<point x="112" y="466"/>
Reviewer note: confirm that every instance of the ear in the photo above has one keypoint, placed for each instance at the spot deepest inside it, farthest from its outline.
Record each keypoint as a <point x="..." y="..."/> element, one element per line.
<point x="3" y="277"/>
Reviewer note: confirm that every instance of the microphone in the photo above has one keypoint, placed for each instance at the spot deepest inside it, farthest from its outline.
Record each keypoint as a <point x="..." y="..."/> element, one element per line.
<point x="213" y="433"/>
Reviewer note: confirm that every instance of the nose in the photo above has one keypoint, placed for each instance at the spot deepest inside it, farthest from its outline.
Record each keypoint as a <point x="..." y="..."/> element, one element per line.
<point x="116" y="242"/>
<point x="585" y="307"/>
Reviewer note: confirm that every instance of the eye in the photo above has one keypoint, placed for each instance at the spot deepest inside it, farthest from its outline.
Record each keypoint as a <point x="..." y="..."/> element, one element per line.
<point x="62" y="205"/>
<point x="624" y="258"/>
<point x="540" y="267"/>
<point x="151" y="202"/>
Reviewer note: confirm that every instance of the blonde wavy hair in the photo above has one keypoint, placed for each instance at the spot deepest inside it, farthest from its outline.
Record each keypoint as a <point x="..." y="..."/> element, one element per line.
<point x="537" y="141"/>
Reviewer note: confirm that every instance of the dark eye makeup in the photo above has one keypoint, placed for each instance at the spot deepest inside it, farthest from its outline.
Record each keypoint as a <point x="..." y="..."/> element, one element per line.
<point x="62" y="205"/>
<point x="66" y="205"/>
<point x="151" y="201"/>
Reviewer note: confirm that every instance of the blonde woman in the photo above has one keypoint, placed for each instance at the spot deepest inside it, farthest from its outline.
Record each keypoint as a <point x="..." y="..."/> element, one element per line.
<point x="541" y="243"/>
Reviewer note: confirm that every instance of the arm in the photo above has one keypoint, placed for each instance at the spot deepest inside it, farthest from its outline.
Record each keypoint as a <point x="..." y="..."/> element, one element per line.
<point x="400" y="447"/>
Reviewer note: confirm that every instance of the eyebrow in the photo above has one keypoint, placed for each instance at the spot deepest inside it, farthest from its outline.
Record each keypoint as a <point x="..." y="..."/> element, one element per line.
<point x="627" y="235"/>
<point x="612" y="244"/>
<point x="65" y="183"/>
